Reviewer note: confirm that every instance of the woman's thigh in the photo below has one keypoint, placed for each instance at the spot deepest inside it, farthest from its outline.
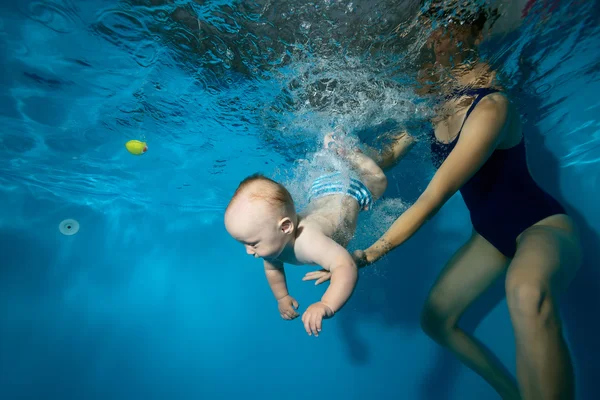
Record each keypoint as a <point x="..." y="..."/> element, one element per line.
<point x="547" y="258"/>
<point x="469" y="273"/>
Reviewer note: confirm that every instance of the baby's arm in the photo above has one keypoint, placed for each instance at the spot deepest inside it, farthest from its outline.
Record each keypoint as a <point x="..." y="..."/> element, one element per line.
<point x="344" y="275"/>
<point x="276" y="277"/>
<point x="324" y="251"/>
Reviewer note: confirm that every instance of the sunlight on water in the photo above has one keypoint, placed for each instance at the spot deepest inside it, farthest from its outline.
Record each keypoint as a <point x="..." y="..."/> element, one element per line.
<point x="342" y="93"/>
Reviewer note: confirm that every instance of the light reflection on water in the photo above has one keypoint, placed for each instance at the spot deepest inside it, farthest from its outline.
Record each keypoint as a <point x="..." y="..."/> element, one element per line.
<point x="222" y="87"/>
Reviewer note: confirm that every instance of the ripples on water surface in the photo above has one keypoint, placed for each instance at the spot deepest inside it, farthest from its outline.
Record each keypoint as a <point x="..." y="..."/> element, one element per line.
<point x="217" y="88"/>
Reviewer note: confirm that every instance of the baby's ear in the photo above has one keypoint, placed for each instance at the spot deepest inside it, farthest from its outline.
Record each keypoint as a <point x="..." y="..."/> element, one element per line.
<point x="287" y="226"/>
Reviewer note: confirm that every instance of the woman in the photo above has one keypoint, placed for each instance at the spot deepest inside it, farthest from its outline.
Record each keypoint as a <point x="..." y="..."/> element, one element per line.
<point x="478" y="149"/>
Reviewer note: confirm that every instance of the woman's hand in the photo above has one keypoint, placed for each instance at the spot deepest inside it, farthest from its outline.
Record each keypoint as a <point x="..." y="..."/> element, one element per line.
<point x="360" y="258"/>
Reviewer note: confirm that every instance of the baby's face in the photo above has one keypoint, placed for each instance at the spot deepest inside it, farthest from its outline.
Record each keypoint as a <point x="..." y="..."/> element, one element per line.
<point x="257" y="226"/>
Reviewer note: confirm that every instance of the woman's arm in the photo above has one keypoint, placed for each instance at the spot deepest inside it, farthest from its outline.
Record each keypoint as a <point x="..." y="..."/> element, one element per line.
<point x="480" y="135"/>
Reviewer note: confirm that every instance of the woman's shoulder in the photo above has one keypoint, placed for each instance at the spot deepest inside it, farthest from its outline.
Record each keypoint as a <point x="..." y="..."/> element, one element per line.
<point x="496" y="112"/>
<point x="495" y="102"/>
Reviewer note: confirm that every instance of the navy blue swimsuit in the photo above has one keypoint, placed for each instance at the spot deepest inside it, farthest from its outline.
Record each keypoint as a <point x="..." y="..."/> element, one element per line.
<point x="502" y="197"/>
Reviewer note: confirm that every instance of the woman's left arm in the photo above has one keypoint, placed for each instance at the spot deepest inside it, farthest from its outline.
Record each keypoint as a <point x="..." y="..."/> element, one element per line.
<point x="480" y="135"/>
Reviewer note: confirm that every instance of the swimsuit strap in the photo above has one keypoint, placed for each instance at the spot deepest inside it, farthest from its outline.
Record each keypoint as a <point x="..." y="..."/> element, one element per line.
<point x="480" y="93"/>
<point x="469" y="91"/>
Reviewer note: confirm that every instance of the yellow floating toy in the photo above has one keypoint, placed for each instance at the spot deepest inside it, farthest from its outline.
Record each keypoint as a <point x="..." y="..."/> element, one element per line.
<point x="136" y="147"/>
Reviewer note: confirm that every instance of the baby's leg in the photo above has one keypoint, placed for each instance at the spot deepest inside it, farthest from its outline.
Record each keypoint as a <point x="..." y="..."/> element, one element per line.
<point x="389" y="156"/>
<point x="368" y="170"/>
<point x="370" y="167"/>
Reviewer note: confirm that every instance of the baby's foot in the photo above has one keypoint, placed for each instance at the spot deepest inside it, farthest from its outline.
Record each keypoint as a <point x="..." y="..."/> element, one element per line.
<point x="339" y="144"/>
<point x="334" y="143"/>
<point x="330" y="140"/>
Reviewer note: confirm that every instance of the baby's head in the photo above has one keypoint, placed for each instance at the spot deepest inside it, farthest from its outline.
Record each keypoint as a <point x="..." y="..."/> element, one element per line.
<point x="261" y="215"/>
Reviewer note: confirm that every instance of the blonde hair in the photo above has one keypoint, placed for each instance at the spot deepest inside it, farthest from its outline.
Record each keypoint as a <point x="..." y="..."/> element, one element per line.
<point x="259" y="187"/>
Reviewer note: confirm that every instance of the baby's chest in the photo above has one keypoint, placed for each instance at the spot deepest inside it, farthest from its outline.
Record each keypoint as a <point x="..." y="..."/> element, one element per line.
<point x="292" y="259"/>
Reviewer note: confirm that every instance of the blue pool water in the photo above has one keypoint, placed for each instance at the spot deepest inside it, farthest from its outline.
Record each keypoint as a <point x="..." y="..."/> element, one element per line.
<point x="151" y="299"/>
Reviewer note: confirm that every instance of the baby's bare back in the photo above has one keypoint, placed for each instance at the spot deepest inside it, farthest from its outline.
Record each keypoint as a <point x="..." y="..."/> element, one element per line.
<point x="334" y="215"/>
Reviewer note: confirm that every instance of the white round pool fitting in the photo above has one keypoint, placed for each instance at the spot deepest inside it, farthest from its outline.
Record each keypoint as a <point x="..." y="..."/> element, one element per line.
<point x="68" y="227"/>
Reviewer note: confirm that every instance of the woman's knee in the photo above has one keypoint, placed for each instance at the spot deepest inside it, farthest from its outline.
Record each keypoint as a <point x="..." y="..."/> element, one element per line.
<point x="528" y="298"/>
<point x="437" y="322"/>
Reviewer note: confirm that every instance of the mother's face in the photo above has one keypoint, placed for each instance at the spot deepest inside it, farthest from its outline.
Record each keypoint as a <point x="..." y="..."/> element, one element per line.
<point x="454" y="44"/>
<point x="449" y="48"/>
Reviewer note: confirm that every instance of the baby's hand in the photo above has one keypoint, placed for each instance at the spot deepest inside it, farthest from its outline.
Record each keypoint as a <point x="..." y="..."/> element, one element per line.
<point x="287" y="307"/>
<point x="320" y="276"/>
<point x="313" y="317"/>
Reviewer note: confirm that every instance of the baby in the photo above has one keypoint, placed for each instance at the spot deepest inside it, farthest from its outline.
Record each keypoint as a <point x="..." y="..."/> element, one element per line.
<point x="262" y="216"/>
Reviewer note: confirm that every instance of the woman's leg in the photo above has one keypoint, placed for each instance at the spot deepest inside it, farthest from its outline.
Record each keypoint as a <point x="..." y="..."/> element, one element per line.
<point x="469" y="273"/>
<point x="546" y="261"/>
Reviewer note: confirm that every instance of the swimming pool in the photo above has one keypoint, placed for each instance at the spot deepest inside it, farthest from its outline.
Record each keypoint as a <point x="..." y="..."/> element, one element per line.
<point x="151" y="298"/>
